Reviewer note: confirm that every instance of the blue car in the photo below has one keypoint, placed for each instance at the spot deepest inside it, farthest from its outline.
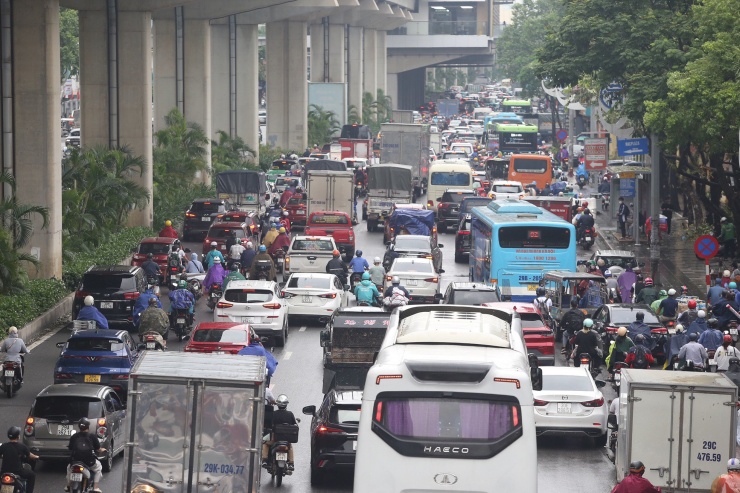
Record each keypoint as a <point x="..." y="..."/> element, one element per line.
<point x="101" y="357"/>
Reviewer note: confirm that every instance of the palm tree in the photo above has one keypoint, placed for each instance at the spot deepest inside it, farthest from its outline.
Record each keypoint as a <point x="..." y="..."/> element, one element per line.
<point x="322" y="125"/>
<point x="230" y="153"/>
<point x="180" y="150"/>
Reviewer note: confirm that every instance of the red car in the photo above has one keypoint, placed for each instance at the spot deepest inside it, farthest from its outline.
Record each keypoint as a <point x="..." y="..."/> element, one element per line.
<point x="220" y="232"/>
<point x="297" y="210"/>
<point x="219" y="338"/>
<point x="538" y="336"/>
<point x="159" y="247"/>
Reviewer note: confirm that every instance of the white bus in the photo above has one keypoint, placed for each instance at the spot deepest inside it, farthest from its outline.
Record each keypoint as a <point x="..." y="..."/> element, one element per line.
<point x="448" y="405"/>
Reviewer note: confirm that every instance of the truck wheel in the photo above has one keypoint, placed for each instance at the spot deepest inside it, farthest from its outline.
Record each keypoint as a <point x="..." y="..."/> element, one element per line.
<point x="371" y="225"/>
<point x="600" y="441"/>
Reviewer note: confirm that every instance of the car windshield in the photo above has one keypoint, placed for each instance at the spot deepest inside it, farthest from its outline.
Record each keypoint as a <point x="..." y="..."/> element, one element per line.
<point x="406" y="243"/>
<point x="329" y="219"/>
<point x="220" y="335"/>
<point x="454" y="197"/>
<point x="531" y="321"/>
<point x="450" y="178"/>
<point x="507" y="188"/>
<point x="205" y="207"/>
<point x="312" y="246"/>
<point x="625" y="316"/>
<point x="238" y="217"/>
<point x="405" y="266"/>
<point x="475" y="298"/>
<point x="307" y="282"/>
<point x="618" y="261"/>
<point x="96" y="283"/>
<point x="248" y="295"/>
<point x="71" y="408"/>
<point x="215" y="233"/>
<point x="345" y="415"/>
<point x="576" y="383"/>
<point x="283" y="182"/>
<point x="94" y="344"/>
<point x="297" y="200"/>
<point x="154" y="248"/>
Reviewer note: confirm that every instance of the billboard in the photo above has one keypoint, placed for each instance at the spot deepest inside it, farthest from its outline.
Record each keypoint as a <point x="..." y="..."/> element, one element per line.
<point x="330" y="96"/>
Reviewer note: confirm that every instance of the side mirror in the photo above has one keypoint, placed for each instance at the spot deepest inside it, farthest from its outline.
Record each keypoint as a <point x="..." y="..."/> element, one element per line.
<point x="441" y="271"/>
<point x="309" y="410"/>
<point x="265" y="340"/>
<point x="440" y="245"/>
<point x="133" y="250"/>
<point x="141" y="347"/>
<point x="439" y="199"/>
<point x="61" y="344"/>
<point x="600" y="383"/>
<point x="347" y="287"/>
<point x="438" y="296"/>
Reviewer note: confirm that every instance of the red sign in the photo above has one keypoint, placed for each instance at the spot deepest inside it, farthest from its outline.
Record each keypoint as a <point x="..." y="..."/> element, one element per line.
<point x="596" y="151"/>
<point x="706" y="247"/>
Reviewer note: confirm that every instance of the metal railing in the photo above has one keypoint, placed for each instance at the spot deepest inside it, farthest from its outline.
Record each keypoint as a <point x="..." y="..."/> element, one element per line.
<point x="455" y="28"/>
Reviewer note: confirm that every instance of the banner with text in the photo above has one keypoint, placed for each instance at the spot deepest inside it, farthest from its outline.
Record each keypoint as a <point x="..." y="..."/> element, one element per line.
<point x="596" y="150"/>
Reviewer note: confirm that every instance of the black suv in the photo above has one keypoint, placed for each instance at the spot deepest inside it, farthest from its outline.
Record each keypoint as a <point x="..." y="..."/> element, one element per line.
<point x="201" y="214"/>
<point x="470" y="293"/>
<point x="449" y="207"/>
<point x="334" y="433"/>
<point x="115" y="289"/>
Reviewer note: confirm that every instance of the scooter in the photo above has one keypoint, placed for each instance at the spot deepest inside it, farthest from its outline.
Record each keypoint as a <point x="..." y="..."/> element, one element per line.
<point x="152" y="341"/>
<point x="11" y="378"/>
<point x="181" y="322"/>
<point x="617" y="379"/>
<point x="262" y="270"/>
<point x="280" y="260"/>
<point x="277" y="464"/>
<point x="80" y="478"/>
<point x="605" y="202"/>
<point x="588" y="238"/>
<point x="355" y="279"/>
<point x="613" y="427"/>
<point x="582" y="181"/>
<point x="214" y="294"/>
<point x="586" y="360"/>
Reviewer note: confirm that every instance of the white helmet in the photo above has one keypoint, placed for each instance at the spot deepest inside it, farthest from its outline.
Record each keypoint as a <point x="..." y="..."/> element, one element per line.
<point x="282" y="401"/>
<point x="250" y="245"/>
<point x="89" y="300"/>
<point x="671" y="292"/>
<point x="395" y="280"/>
<point x="376" y="260"/>
<point x="701" y="314"/>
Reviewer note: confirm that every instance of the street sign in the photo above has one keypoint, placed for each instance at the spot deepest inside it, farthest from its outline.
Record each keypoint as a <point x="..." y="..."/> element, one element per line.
<point x="706" y="247"/>
<point x="596" y="153"/>
<point x="626" y="187"/>
<point x="561" y="134"/>
<point x="632" y="147"/>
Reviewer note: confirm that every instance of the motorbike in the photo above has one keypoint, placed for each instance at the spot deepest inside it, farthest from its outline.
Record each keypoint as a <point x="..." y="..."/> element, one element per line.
<point x="582" y="181"/>
<point x="11" y="377"/>
<point x="360" y="191"/>
<point x="181" y="322"/>
<point x="605" y="202"/>
<point x="614" y="296"/>
<point x="152" y="341"/>
<point x="80" y="478"/>
<point x="617" y="379"/>
<point x="711" y="363"/>
<point x="173" y="276"/>
<point x="262" y="270"/>
<point x="586" y="360"/>
<point x="355" y="279"/>
<point x="588" y="238"/>
<point x="277" y="463"/>
<point x="13" y="483"/>
<point x="214" y="294"/>
<point x="195" y="287"/>
<point x="151" y="281"/>
<point x="613" y="427"/>
<point x="280" y="260"/>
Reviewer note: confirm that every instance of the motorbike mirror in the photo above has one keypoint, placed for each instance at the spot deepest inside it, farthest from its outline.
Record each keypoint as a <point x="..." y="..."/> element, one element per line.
<point x="61" y="344"/>
<point x="347" y="287"/>
<point x="600" y="383"/>
<point x="438" y="296"/>
<point x="309" y="410"/>
<point x="141" y="347"/>
<point x="440" y="245"/>
<point x="441" y="271"/>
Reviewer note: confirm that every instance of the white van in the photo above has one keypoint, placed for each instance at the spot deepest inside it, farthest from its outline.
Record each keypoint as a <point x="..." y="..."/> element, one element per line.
<point x="444" y="174"/>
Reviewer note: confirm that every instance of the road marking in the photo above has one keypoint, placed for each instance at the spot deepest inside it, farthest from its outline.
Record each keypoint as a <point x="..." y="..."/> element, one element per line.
<point x="302" y="329"/>
<point x="44" y="338"/>
<point x="287" y="355"/>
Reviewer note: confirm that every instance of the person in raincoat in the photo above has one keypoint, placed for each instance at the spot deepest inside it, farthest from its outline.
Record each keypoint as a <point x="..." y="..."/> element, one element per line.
<point x="618" y="349"/>
<point x="625" y="280"/>
<point x="640" y="327"/>
<point x="89" y="312"/>
<point x="215" y="275"/>
<point x="730" y="482"/>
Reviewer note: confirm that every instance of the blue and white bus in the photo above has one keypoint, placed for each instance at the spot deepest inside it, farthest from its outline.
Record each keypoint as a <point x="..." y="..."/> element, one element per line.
<point x="514" y="243"/>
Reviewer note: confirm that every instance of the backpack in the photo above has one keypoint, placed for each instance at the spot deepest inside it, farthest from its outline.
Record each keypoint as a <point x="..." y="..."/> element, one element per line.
<point x="640" y="360"/>
<point x="83" y="449"/>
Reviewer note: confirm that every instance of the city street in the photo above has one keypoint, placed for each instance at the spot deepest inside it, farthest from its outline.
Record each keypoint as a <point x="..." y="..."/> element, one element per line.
<point x="299" y="376"/>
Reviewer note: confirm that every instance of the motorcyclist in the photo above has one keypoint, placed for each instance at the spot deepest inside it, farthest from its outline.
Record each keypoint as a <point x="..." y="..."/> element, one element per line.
<point x="262" y="258"/>
<point x="640" y="327"/>
<point x="14" y="454"/>
<point x="14" y="348"/>
<point x="142" y="302"/>
<point x="182" y="299"/>
<point x="337" y="267"/>
<point x="662" y="294"/>
<point x="233" y="275"/>
<point x="571" y="322"/>
<point x="625" y="280"/>
<point x="285" y="196"/>
<point x="215" y="275"/>
<point x="168" y="231"/>
<point x="255" y="348"/>
<point x="639" y="283"/>
<point x="194" y="266"/>
<point x="377" y="273"/>
<point x="396" y="295"/>
<point x="586" y="221"/>
<point x="271" y="235"/>
<point x="618" y="349"/>
<point x="154" y="319"/>
<point x="366" y="291"/>
<point x="235" y="252"/>
<point x="648" y="294"/>
<point x="611" y="282"/>
<point x="711" y="338"/>
<point x="285" y="221"/>
<point x="89" y="312"/>
<point x="639" y="352"/>
<point x="668" y="308"/>
<point x="150" y="267"/>
<point x="543" y="301"/>
<point x="688" y="316"/>
<point x="699" y="325"/>
<point x="635" y="483"/>
<point x="723" y="310"/>
<point x="714" y="295"/>
<point x="280" y="417"/>
<point x="358" y="264"/>
<point x="85" y="452"/>
<point x="212" y="254"/>
<point x="729" y="482"/>
<point x="282" y="242"/>
<point x="587" y="342"/>
<point x="693" y="352"/>
<point x="248" y="256"/>
<point x="592" y="296"/>
<point x="675" y="343"/>
<point x="725" y="353"/>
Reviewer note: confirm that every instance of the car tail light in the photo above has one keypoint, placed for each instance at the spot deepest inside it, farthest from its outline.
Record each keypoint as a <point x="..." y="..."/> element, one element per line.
<point x="29" y="428"/>
<point x="286" y="263"/>
<point x="328" y="296"/>
<point x="327" y="430"/>
<point x="63" y="376"/>
<point x="223" y="304"/>
<point x="594" y="403"/>
<point x="443" y="205"/>
<point x="189" y="214"/>
<point x="131" y="296"/>
<point x="121" y="376"/>
<point x="102" y="428"/>
<point x="351" y="237"/>
<point x="539" y="402"/>
<point x="286" y="295"/>
<point x="430" y="203"/>
<point x="432" y="279"/>
<point x="81" y="294"/>
<point x="272" y="306"/>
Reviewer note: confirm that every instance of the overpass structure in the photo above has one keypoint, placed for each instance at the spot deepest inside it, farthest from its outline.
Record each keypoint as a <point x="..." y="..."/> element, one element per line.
<point x="141" y="58"/>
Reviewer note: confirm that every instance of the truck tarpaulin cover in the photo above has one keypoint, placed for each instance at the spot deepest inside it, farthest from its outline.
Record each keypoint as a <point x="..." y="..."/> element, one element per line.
<point x="241" y="181"/>
<point x="389" y="177"/>
<point x="416" y="222"/>
<point x="325" y="165"/>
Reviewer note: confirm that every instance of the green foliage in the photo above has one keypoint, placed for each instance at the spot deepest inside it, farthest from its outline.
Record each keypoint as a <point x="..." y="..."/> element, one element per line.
<point x="322" y="125"/>
<point x="268" y="155"/>
<point x="13" y="277"/>
<point x="69" y="42"/>
<point x="230" y="153"/>
<point x="180" y="151"/>
<point x="40" y="296"/>
<point x="173" y="199"/>
<point x="374" y="111"/>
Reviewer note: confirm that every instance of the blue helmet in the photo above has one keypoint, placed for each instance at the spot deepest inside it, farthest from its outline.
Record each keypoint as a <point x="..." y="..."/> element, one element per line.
<point x="263" y="248"/>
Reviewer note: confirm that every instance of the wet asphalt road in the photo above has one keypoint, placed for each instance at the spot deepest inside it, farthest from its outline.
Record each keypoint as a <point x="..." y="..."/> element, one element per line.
<point x="564" y="464"/>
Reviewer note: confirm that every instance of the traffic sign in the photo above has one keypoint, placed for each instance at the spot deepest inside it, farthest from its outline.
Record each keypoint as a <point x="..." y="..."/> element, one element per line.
<point x="596" y="153"/>
<point x="632" y="147"/>
<point x="561" y="134"/>
<point x="706" y="247"/>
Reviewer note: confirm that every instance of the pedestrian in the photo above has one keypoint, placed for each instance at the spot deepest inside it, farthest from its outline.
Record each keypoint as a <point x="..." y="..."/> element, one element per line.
<point x="622" y="213"/>
<point x="727" y="237"/>
<point x="634" y="482"/>
<point x="730" y="482"/>
<point x="666" y="210"/>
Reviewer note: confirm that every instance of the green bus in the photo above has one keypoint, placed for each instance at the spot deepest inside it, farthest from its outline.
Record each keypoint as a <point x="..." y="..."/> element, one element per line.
<point x="517" y="106"/>
<point x="513" y="138"/>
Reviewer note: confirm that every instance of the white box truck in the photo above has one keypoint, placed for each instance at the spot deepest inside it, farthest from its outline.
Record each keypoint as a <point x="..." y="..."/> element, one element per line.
<point x="331" y="191"/>
<point x="407" y="144"/>
<point x="681" y="425"/>
<point x="194" y="423"/>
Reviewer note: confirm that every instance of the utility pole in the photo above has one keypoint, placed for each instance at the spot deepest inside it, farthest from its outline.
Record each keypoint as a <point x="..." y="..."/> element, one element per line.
<point x="655" y="208"/>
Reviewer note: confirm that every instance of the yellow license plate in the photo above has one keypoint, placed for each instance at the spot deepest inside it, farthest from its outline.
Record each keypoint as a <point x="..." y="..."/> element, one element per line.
<point x="92" y="378"/>
<point x="532" y="287"/>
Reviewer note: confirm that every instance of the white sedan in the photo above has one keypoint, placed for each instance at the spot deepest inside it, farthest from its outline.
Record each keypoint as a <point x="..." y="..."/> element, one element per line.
<point x="257" y="303"/>
<point x="313" y="294"/>
<point x="417" y="275"/>
<point x="570" y="402"/>
<point x="505" y="189"/>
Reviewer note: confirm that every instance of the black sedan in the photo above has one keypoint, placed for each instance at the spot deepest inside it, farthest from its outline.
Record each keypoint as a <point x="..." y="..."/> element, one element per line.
<point x="334" y="433"/>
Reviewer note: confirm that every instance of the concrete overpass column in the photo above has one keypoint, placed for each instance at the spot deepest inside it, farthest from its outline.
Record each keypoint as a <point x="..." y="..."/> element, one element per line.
<point x="287" y="90"/>
<point x="94" y="125"/>
<point x="223" y="111"/>
<point x="337" y="59"/>
<point x="37" y="113"/>
<point x="247" y="83"/>
<point x="317" y="53"/>
<point x="197" y="81"/>
<point x="165" y="69"/>
<point x="382" y="60"/>
<point x="135" y="96"/>
<point x="355" y="77"/>
<point x="392" y="89"/>
<point x="370" y="62"/>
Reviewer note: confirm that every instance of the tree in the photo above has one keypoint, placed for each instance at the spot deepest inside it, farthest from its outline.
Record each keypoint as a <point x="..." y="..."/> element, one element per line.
<point x="230" y="153"/>
<point x="69" y="42"/>
<point x="180" y="151"/>
<point x="322" y="125"/>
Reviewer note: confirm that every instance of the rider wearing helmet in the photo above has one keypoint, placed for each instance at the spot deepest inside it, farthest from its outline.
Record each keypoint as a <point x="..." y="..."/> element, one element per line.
<point x="358" y="264"/>
<point x="150" y="267"/>
<point x="688" y="316"/>
<point x="377" y="273"/>
<point x="639" y="355"/>
<point x="14" y="454"/>
<point x="271" y="235"/>
<point x="337" y="267"/>
<point x="585" y="222"/>
<point x="89" y="312"/>
<point x="634" y="482"/>
<point x="543" y="301"/>
<point x="668" y="307"/>
<point x="725" y="352"/>
<point x="728" y="482"/>
<point x="711" y="338"/>
<point x="640" y="327"/>
<point x="168" y="231"/>
<point x="256" y="348"/>
<point x="233" y="275"/>
<point x="263" y="261"/>
<point x="282" y="242"/>
<point x="693" y="353"/>
<point x="571" y="323"/>
<point x="618" y="349"/>
<point x="210" y="257"/>
<point x="587" y="342"/>
<point x="648" y="294"/>
<point x="14" y="349"/>
<point x="182" y="299"/>
<point x="366" y="291"/>
<point x="396" y="295"/>
<point x="247" y="256"/>
<point x="280" y="417"/>
<point x="83" y="446"/>
<point x="285" y="221"/>
<point x="154" y="319"/>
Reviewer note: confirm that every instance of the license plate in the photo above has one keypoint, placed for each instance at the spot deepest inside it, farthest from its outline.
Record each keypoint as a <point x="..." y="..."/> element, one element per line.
<point x="733" y="331"/>
<point x="301" y="213"/>
<point x="215" y="295"/>
<point x="250" y="320"/>
<point x="7" y="488"/>
<point x="412" y="282"/>
<point x="354" y="444"/>
<point x="563" y="407"/>
<point x="92" y="378"/>
<point x="532" y="287"/>
<point x="306" y="299"/>
<point x="218" y="352"/>
<point x="712" y="362"/>
<point x="205" y="219"/>
<point x="588" y="238"/>
<point x="281" y="456"/>
<point x="180" y="320"/>
<point x="66" y="430"/>
<point x="76" y="477"/>
<point x="9" y="373"/>
<point x="151" y="345"/>
<point x="106" y="305"/>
